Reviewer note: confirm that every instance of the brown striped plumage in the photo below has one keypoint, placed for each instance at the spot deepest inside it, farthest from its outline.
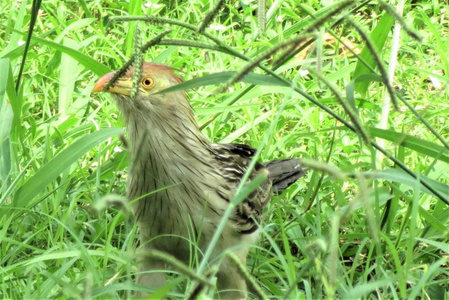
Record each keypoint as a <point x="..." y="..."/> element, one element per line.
<point x="180" y="184"/>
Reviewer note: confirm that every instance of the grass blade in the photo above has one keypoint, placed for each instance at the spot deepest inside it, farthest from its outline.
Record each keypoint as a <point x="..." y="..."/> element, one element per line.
<point x="49" y="172"/>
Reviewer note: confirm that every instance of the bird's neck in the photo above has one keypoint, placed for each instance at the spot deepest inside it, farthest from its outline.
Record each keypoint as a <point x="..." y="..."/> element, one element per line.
<point x="162" y="141"/>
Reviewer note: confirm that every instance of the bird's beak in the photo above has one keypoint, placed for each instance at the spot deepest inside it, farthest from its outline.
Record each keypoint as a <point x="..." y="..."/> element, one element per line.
<point x="121" y="86"/>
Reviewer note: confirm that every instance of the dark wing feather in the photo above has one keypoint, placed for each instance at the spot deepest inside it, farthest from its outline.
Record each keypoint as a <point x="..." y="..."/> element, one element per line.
<point x="283" y="173"/>
<point x="240" y="149"/>
<point x="235" y="160"/>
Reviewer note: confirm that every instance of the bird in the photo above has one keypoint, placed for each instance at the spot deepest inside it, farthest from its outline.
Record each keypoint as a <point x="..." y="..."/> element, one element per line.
<point x="180" y="183"/>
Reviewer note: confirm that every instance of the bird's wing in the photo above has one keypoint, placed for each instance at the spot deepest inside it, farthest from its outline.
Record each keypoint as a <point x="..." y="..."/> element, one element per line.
<point x="234" y="161"/>
<point x="283" y="173"/>
<point x="238" y="149"/>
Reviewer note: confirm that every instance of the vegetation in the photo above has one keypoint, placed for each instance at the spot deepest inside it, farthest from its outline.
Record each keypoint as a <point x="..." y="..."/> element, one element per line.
<point x="371" y="218"/>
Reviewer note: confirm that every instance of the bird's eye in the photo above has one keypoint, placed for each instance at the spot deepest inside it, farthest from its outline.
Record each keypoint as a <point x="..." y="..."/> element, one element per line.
<point x="147" y="82"/>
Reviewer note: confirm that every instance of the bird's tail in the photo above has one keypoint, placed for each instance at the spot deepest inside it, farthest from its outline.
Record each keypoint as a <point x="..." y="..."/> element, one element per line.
<point x="283" y="173"/>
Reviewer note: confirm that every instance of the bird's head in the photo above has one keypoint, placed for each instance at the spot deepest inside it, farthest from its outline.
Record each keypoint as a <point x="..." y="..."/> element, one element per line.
<point x="161" y="114"/>
<point x="154" y="78"/>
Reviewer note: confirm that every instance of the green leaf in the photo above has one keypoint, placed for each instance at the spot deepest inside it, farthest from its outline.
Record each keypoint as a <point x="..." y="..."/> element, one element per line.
<point x="378" y="37"/>
<point x="87" y="61"/>
<point x="162" y="292"/>
<point x="441" y="246"/>
<point x="422" y="146"/>
<point x="397" y="175"/>
<point x="245" y="128"/>
<point x="223" y="77"/>
<point x="67" y="77"/>
<point x="436" y="222"/>
<point x="360" y="290"/>
<point x="49" y="172"/>
<point x="6" y="122"/>
<point x="434" y="291"/>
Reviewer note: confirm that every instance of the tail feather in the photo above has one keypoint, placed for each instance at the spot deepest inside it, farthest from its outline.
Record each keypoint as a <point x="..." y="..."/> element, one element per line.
<point x="283" y="173"/>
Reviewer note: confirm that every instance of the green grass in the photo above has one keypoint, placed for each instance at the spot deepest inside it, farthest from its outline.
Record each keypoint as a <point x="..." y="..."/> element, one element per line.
<point x="357" y="226"/>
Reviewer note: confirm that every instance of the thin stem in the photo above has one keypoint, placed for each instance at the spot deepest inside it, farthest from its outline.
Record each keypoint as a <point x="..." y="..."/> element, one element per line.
<point x="424" y="122"/>
<point x="138" y="60"/>
<point x="347" y="108"/>
<point x="211" y="15"/>
<point x="34" y="13"/>
<point x="383" y="123"/>
<point x="185" y="43"/>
